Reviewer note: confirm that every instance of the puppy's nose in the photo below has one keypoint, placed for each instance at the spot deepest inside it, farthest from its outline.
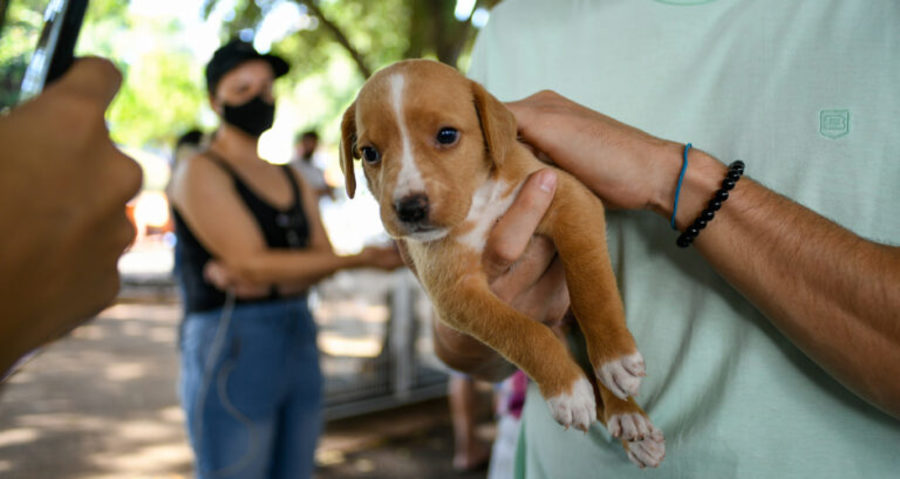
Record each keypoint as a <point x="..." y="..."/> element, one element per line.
<point x="412" y="208"/>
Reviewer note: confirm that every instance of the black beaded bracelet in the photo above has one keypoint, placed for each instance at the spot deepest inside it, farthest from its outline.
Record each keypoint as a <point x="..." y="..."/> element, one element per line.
<point x="735" y="170"/>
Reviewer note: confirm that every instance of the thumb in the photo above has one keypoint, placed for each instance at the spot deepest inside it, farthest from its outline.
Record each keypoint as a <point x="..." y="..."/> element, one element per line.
<point x="512" y="233"/>
<point x="94" y="78"/>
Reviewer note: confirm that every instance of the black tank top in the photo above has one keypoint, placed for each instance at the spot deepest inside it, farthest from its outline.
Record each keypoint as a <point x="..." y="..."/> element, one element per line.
<point x="286" y="229"/>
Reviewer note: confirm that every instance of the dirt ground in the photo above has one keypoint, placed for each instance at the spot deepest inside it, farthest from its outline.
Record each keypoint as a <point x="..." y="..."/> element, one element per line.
<point x="102" y="404"/>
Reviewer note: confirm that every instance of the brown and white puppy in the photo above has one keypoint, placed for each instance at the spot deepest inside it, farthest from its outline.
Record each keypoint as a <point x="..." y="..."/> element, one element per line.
<point x="441" y="157"/>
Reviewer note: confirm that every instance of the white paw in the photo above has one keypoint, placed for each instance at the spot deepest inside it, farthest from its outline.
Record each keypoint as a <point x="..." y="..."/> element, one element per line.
<point x="623" y="376"/>
<point x="630" y="427"/>
<point x="649" y="451"/>
<point x="576" y="408"/>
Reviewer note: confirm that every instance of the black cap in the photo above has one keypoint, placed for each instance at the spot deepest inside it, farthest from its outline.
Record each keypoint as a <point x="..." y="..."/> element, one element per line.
<point x="232" y="54"/>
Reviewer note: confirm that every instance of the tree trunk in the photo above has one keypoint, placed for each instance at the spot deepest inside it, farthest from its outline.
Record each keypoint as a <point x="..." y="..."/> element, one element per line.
<point x="355" y="54"/>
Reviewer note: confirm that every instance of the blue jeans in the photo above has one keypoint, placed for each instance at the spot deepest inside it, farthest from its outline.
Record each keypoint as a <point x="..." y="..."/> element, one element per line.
<point x="251" y="389"/>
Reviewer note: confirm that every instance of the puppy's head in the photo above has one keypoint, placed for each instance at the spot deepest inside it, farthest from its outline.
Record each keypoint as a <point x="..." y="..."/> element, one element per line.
<point x="428" y="138"/>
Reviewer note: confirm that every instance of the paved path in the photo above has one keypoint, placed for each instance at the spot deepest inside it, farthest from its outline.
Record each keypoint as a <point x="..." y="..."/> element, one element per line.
<point x="102" y="404"/>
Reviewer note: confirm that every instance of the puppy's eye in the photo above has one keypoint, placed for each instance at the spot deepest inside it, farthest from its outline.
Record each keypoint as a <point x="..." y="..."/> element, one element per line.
<point x="447" y="136"/>
<point x="370" y="155"/>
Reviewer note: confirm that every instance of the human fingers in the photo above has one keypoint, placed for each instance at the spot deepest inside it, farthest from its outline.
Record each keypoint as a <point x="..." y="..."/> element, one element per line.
<point x="511" y="235"/>
<point x="530" y="109"/>
<point x="123" y="176"/>
<point x="217" y="275"/>
<point x="518" y="281"/>
<point x="93" y="78"/>
<point x="542" y="117"/>
<point x="552" y="293"/>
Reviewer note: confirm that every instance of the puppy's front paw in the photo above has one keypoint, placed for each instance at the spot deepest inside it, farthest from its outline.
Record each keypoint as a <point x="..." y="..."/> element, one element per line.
<point x="623" y="376"/>
<point x="647" y="449"/>
<point x="575" y="408"/>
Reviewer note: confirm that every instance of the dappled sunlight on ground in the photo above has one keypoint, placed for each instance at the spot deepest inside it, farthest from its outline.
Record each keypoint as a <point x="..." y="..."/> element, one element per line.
<point x="99" y="403"/>
<point x="102" y="402"/>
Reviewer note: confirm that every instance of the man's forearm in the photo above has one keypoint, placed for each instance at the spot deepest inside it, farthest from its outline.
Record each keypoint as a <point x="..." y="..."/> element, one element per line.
<point x="834" y="294"/>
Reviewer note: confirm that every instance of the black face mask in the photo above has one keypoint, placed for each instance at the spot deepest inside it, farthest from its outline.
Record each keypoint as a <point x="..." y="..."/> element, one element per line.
<point x="253" y="117"/>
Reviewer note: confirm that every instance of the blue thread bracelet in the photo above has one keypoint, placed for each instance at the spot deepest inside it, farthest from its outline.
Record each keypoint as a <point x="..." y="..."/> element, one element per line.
<point x="678" y="188"/>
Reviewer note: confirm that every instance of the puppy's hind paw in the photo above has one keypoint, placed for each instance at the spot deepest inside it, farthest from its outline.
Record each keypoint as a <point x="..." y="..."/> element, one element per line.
<point x="623" y="376"/>
<point x="649" y="451"/>
<point x="631" y="427"/>
<point x="576" y="408"/>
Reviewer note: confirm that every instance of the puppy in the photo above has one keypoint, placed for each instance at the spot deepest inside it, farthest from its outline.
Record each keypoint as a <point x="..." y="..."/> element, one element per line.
<point x="441" y="157"/>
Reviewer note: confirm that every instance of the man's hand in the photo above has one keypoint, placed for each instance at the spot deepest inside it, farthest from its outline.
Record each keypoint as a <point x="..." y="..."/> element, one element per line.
<point x="523" y="270"/>
<point x="626" y="167"/>
<point x="63" y="189"/>
<point x="827" y="289"/>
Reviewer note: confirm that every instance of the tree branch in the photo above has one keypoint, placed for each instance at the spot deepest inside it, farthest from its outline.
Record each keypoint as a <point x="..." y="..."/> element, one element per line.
<point x="339" y="36"/>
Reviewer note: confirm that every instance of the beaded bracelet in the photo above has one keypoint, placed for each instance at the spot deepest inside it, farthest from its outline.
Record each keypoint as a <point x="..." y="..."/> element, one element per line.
<point x="735" y="170"/>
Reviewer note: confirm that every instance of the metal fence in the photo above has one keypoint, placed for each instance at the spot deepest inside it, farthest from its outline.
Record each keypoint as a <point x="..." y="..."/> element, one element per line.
<point x="375" y="342"/>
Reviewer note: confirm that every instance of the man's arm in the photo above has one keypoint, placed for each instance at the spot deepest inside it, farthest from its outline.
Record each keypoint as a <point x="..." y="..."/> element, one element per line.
<point x="834" y="294"/>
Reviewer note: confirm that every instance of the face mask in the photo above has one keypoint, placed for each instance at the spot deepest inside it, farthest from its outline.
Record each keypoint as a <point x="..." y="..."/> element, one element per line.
<point x="253" y="117"/>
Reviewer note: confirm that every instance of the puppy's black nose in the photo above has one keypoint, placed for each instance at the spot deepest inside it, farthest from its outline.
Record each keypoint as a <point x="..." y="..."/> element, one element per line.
<point x="412" y="208"/>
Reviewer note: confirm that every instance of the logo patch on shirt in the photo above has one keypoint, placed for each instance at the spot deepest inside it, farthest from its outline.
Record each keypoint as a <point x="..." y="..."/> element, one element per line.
<point x="834" y="123"/>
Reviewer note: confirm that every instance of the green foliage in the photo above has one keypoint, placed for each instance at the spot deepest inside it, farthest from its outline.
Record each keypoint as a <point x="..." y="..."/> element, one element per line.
<point x="162" y="95"/>
<point x="335" y="47"/>
<point x="18" y="39"/>
<point x="161" y="99"/>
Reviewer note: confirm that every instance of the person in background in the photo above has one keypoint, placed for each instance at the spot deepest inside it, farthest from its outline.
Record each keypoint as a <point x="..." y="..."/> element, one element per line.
<point x="63" y="190"/>
<point x="252" y="244"/>
<point x="187" y="146"/>
<point x="510" y="398"/>
<point x="305" y="148"/>
<point x="470" y="453"/>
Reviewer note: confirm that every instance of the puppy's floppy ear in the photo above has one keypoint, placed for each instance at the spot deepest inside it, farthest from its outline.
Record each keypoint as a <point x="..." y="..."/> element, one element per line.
<point x="498" y="125"/>
<point x="348" y="148"/>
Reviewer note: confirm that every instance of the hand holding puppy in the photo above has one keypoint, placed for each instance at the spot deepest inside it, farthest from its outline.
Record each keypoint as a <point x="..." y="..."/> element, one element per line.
<point x="626" y="167"/>
<point x="523" y="270"/>
<point x="63" y="189"/>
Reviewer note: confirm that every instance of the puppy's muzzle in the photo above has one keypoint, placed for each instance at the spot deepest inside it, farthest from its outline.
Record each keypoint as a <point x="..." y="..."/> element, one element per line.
<point x="412" y="208"/>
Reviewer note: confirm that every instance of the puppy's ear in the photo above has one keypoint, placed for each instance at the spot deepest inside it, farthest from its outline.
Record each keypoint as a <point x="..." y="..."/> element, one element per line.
<point x="498" y="125"/>
<point x="348" y="148"/>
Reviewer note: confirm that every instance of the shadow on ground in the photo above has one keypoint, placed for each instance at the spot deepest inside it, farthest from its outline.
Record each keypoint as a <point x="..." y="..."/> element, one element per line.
<point x="102" y="403"/>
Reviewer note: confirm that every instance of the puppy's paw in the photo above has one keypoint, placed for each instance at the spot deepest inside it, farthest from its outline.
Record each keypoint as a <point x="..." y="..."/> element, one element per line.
<point x="577" y="407"/>
<point x="622" y="376"/>
<point x="631" y="427"/>
<point x="649" y="450"/>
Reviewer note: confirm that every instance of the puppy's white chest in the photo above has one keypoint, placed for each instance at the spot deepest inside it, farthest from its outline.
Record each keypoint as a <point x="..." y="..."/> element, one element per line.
<point x="490" y="201"/>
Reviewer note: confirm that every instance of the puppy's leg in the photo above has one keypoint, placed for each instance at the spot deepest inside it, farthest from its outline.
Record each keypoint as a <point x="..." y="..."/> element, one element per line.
<point x="532" y="346"/>
<point x="576" y="224"/>
<point x="624" y="419"/>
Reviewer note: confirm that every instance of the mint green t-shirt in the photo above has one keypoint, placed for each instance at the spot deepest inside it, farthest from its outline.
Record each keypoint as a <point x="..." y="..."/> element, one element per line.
<point x="807" y="93"/>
